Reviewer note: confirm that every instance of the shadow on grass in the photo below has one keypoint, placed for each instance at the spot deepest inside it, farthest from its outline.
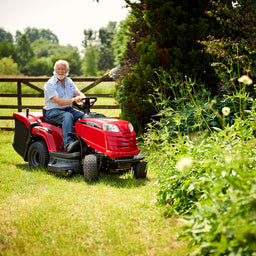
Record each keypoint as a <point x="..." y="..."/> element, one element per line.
<point x="25" y="167"/>
<point x="122" y="180"/>
<point x="118" y="180"/>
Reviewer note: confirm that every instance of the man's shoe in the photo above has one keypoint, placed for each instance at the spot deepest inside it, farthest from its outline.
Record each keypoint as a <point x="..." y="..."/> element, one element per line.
<point x="72" y="146"/>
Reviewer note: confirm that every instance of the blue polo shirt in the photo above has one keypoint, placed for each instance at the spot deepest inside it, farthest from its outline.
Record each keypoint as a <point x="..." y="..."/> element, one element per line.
<point x="53" y="87"/>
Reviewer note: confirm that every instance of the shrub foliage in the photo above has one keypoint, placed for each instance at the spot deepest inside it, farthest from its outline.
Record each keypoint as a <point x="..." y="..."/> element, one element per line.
<point x="169" y="43"/>
<point x="204" y="150"/>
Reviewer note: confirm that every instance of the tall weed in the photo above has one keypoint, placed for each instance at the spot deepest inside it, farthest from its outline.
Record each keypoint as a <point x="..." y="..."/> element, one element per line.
<point x="204" y="151"/>
<point x="224" y="223"/>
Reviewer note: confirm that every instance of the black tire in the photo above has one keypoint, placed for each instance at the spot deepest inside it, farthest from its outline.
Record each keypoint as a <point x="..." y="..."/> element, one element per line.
<point x="140" y="170"/>
<point x="91" y="168"/>
<point x="38" y="154"/>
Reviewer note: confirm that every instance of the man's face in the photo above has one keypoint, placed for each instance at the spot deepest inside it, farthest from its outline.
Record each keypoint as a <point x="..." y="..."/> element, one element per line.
<point x="61" y="71"/>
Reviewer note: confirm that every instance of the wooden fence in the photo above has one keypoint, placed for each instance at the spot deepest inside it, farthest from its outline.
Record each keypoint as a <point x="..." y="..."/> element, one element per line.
<point x="40" y="93"/>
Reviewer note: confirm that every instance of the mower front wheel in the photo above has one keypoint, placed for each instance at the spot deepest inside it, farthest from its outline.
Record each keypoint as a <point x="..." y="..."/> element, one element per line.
<point x="140" y="170"/>
<point x="38" y="154"/>
<point x="91" y="168"/>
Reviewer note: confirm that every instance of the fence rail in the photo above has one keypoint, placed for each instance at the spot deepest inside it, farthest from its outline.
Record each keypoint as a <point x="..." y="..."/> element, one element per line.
<point x="40" y="93"/>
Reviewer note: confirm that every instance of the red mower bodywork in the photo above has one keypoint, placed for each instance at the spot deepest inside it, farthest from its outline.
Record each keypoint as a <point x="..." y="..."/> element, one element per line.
<point x="105" y="144"/>
<point x="113" y="144"/>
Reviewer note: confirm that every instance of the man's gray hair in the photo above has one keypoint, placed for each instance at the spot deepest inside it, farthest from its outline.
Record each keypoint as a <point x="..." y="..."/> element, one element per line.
<point x="60" y="62"/>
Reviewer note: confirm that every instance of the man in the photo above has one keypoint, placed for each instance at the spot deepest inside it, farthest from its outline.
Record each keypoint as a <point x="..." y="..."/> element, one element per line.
<point x="60" y="92"/>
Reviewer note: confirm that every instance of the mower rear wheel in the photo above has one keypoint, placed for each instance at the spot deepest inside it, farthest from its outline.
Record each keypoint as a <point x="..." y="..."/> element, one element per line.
<point x="91" y="168"/>
<point x="38" y="154"/>
<point x="140" y="170"/>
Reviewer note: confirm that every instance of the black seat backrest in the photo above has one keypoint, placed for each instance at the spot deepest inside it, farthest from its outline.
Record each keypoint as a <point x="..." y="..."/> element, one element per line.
<point x="49" y="121"/>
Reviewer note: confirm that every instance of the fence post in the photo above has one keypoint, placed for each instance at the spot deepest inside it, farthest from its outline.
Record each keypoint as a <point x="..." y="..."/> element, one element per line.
<point x="19" y="96"/>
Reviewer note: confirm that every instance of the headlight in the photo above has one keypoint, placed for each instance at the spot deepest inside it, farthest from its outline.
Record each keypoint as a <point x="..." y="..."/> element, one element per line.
<point x="131" y="127"/>
<point x="110" y="128"/>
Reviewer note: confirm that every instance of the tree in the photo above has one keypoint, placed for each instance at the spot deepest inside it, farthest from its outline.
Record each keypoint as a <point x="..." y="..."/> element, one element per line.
<point x="37" y="58"/>
<point x="38" y="67"/>
<point x="120" y="40"/>
<point x="74" y="60"/>
<point x="25" y="52"/>
<point x="45" y="49"/>
<point x="18" y="35"/>
<point x="8" y="50"/>
<point x="49" y="35"/>
<point x="75" y="63"/>
<point x="237" y="18"/>
<point x="35" y="34"/>
<point x="106" y="55"/>
<point x="5" y="35"/>
<point x="91" y="55"/>
<point x="32" y="33"/>
<point x="42" y="48"/>
<point x="164" y="35"/>
<point x="100" y="41"/>
<point x="89" y="38"/>
<point x="236" y="42"/>
<point x="8" y="66"/>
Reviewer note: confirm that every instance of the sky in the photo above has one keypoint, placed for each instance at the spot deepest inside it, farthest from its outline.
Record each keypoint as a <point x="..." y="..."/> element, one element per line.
<point x="66" y="19"/>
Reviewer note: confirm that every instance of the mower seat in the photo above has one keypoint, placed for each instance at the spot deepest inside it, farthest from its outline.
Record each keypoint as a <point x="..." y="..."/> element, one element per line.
<point x="50" y="121"/>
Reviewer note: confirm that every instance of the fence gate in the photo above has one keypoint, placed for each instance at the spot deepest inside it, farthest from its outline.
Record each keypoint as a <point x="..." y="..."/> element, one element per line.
<point x="27" y="81"/>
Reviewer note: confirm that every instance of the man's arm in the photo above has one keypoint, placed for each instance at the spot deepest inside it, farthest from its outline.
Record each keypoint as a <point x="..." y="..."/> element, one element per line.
<point x="65" y="102"/>
<point x="78" y="93"/>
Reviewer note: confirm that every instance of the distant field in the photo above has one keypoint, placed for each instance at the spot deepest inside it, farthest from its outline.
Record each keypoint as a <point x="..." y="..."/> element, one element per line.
<point x="103" y="88"/>
<point x="11" y="87"/>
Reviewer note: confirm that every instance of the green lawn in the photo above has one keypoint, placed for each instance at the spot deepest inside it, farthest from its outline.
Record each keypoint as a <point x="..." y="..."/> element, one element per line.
<point x="43" y="214"/>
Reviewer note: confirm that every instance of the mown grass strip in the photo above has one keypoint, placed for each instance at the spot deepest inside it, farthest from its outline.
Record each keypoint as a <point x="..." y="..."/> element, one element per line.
<point x="43" y="214"/>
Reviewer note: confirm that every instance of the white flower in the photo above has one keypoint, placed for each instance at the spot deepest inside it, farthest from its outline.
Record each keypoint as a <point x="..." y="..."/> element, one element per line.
<point x="228" y="158"/>
<point x="245" y="79"/>
<point x="184" y="163"/>
<point x="225" y="111"/>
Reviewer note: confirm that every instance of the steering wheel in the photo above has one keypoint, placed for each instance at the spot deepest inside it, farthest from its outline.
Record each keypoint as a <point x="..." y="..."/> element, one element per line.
<point x="88" y="103"/>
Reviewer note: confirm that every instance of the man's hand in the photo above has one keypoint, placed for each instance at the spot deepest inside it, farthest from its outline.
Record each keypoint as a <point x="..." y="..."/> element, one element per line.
<point x="78" y="99"/>
<point x="79" y="96"/>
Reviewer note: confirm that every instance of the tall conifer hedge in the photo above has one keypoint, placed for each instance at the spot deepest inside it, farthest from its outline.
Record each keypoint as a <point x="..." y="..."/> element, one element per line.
<point x="164" y="36"/>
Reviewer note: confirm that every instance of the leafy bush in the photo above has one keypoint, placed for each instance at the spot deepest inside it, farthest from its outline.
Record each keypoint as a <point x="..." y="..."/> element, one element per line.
<point x="132" y="97"/>
<point x="37" y="67"/>
<point x="212" y="179"/>
<point x="8" y="66"/>
<point x="224" y="222"/>
<point x="204" y="151"/>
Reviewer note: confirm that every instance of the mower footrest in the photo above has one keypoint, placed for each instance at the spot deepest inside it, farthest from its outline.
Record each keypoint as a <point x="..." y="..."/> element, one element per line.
<point x="66" y="155"/>
<point x="64" y="163"/>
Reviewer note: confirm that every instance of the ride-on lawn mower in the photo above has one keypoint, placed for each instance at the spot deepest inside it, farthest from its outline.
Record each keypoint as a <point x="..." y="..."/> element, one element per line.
<point x="106" y="144"/>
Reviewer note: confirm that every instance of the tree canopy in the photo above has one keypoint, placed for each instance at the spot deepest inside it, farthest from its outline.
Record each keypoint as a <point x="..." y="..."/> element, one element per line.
<point x="35" y="51"/>
<point x="36" y="34"/>
<point x="5" y="35"/>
